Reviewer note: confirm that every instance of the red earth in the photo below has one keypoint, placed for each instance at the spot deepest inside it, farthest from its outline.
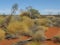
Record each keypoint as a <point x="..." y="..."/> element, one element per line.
<point x="52" y="31"/>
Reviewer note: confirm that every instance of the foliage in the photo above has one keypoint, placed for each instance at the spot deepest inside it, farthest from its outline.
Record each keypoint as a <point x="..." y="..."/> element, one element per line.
<point x="16" y="27"/>
<point x="31" y="12"/>
<point x="28" y="21"/>
<point x="2" y="34"/>
<point x="38" y="35"/>
<point x="42" y="22"/>
<point x="25" y="13"/>
<point x="21" y="27"/>
<point x="14" y="9"/>
<point x="1" y="19"/>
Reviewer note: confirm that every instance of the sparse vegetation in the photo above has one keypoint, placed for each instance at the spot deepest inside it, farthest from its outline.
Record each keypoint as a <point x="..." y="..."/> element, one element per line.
<point x="29" y="23"/>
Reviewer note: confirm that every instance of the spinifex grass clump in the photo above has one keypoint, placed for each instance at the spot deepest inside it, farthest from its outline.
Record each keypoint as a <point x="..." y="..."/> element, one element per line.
<point x="2" y="34"/>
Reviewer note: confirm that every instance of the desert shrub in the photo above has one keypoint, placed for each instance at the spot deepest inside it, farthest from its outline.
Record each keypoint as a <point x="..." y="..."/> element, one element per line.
<point x="17" y="27"/>
<point x="38" y="33"/>
<point x="25" y="14"/>
<point x="1" y="19"/>
<point x="41" y="21"/>
<point x="21" y="27"/>
<point x="2" y="34"/>
<point x="31" y="12"/>
<point x="28" y="21"/>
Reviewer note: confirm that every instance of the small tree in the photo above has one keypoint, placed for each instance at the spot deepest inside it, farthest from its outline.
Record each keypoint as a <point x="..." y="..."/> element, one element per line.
<point x="33" y="12"/>
<point x="14" y="9"/>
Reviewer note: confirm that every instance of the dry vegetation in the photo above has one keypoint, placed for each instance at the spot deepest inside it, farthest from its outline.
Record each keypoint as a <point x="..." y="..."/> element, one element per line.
<point x="29" y="23"/>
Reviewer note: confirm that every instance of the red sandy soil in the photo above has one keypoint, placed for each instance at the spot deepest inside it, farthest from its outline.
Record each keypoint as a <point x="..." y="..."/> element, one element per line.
<point x="12" y="41"/>
<point x="52" y="31"/>
<point x="50" y="43"/>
